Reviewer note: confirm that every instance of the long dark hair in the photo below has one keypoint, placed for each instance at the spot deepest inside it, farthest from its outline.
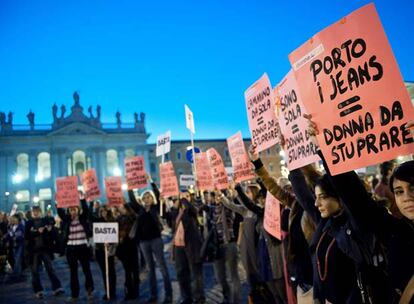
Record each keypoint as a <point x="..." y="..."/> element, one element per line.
<point x="404" y="172"/>
<point x="325" y="184"/>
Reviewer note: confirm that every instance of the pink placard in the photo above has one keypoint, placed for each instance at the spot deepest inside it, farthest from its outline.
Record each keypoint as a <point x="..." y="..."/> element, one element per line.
<point x="299" y="149"/>
<point x="242" y="167"/>
<point x="350" y="82"/>
<point x="67" y="191"/>
<point x="90" y="184"/>
<point x="168" y="180"/>
<point x="261" y="114"/>
<point x="271" y="221"/>
<point x="218" y="170"/>
<point x="135" y="172"/>
<point x="113" y="188"/>
<point x="204" y="178"/>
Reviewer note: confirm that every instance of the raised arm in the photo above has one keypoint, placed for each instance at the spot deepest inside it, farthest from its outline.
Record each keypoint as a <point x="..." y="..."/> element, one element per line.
<point x="304" y="195"/>
<point x="134" y="204"/>
<point x="248" y="203"/>
<point x="229" y="204"/>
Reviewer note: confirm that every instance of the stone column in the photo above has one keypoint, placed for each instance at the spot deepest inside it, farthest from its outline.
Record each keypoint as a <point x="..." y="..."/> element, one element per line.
<point x="101" y="168"/>
<point x="4" y="200"/>
<point x="32" y="174"/>
<point x="121" y="159"/>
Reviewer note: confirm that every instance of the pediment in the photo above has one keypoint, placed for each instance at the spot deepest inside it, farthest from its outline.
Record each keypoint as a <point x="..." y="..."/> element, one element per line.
<point x="77" y="128"/>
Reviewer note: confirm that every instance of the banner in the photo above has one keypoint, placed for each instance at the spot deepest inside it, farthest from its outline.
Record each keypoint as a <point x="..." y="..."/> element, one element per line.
<point x="350" y="82"/>
<point x="261" y="114"/>
<point x="242" y="167"/>
<point x="67" y="194"/>
<point x="168" y="180"/>
<point x="105" y="233"/>
<point x="187" y="180"/>
<point x="271" y="221"/>
<point x="299" y="149"/>
<point x="204" y="178"/>
<point x="135" y="172"/>
<point x="189" y="119"/>
<point x="218" y="172"/>
<point x="113" y="187"/>
<point x="90" y="185"/>
<point x="163" y="144"/>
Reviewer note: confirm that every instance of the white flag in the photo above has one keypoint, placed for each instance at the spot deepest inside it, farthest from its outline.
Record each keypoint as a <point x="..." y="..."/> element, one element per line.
<point x="189" y="119"/>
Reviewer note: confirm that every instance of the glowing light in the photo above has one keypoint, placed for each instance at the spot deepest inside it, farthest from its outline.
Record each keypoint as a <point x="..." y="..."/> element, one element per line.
<point x="36" y="199"/>
<point x="17" y="178"/>
<point x="117" y="172"/>
<point x="124" y="187"/>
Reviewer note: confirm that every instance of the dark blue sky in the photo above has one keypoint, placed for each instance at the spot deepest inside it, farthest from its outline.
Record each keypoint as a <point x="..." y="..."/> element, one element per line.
<point x="154" y="56"/>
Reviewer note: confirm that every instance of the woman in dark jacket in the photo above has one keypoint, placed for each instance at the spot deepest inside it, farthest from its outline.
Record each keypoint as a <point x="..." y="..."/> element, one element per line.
<point x="76" y="227"/>
<point x="187" y="245"/>
<point x="149" y="234"/>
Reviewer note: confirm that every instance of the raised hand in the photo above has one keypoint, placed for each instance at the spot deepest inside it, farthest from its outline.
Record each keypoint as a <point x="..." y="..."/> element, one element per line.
<point x="312" y="129"/>
<point x="253" y="154"/>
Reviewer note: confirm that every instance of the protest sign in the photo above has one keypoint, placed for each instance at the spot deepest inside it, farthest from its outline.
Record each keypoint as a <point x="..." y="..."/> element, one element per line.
<point x="135" y="172"/>
<point x="187" y="180"/>
<point x="203" y="173"/>
<point x="168" y="180"/>
<point x="218" y="171"/>
<point x="299" y="149"/>
<point x="13" y="210"/>
<point x="67" y="194"/>
<point x="105" y="232"/>
<point x="271" y="221"/>
<point x="113" y="187"/>
<point x="261" y="114"/>
<point x="350" y="82"/>
<point x="242" y="168"/>
<point x="90" y="185"/>
<point x="163" y="144"/>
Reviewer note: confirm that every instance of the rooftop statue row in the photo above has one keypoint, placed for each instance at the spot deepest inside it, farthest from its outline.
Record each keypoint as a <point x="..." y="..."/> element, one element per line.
<point x="76" y="115"/>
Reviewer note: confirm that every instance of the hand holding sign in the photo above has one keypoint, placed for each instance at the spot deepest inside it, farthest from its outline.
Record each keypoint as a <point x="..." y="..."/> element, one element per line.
<point x="253" y="154"/>
<point x="312" y="129"/>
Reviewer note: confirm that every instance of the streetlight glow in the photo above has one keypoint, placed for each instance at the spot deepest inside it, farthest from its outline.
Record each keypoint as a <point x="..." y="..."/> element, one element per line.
<point x="117" y="171"/>
<point x="17" y="178"/>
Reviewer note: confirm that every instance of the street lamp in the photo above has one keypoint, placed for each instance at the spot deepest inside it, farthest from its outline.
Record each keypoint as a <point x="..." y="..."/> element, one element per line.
<point x="17" y="178"/>
<point x="19" y="196"/>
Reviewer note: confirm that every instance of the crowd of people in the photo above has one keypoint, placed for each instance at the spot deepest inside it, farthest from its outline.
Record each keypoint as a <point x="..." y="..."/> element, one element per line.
<point x="345" y="239"/>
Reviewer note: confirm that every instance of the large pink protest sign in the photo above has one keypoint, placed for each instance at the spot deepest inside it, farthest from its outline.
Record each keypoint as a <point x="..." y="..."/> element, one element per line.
<point x="242" y="167"/>
<point x="90" y="184"/>
<point x="261" y="114"/>
<point x="299" y="149"/>
<point x="271" y="221"/>
<point x="67" y="194"/>
<point x="135" y="172"/>
<point x="218" y="170"/>
<point x="168" y="180"/>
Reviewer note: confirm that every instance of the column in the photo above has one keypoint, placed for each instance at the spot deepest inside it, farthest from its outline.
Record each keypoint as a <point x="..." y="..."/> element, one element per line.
<point x="147" y="160"/>
<point x="32" y="174"/>
<point x="3" y="182"/>
<point x="101" y="168"/>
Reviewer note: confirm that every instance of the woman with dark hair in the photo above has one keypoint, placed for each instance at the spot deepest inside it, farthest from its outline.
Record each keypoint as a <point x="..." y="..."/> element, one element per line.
<point x="370" y="221"/>
<point x="76" y="227"/>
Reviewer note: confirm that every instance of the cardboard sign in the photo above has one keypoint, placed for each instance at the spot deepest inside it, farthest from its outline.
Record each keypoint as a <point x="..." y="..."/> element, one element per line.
<point x="187" y="180"/>
<point x="218" y="172"/>
<point x="242" y="167"/>
<point x="113" y="187"/>
<point x="204" y="178"/>
<point x="349" y="81"/>
<point x="299" y="150"/>
<point x="163" y="144"/>
<point x="189" y="119"/>
<point x="168" y="180"/>
<point x="90" y="185"/>
<point x="135" y="172"/>
<point x="271" y="221"/>
<point x="261" y="113"/>
<point x="105" y="233"/>
<point x="67" y="192"/>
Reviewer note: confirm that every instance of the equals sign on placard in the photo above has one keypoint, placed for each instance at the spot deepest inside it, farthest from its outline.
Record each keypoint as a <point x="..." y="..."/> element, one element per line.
<point x="260" y="120"/>
<point x="350" y="109"/>
<point x="295" y="129"/>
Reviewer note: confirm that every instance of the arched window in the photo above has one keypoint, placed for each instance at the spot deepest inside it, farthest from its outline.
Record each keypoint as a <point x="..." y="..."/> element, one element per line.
<point x="79" y="162"/>
<point x="22" y="169"/>
<point x="112" y="163"/>
<point x="43" y="166"/>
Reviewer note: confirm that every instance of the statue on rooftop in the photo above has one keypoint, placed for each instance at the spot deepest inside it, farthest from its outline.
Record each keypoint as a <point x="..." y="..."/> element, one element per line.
<point x="31" y="116"/>
<point x="98" y="112"/>
<point x="136" y="117"/>
<point x="10" y="118"/>
<point x="90" y="112"/>
<point x="142" y="115"/>
<point x="76" y="98"/>
<point x="2" y="118"/>
<point x="62" y="111"/>
<point x="118" y="119"/>
<point x="54" y="111"/>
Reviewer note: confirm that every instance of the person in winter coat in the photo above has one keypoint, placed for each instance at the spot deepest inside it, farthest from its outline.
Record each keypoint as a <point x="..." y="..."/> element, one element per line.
<point x="149" y="234"/>
<point x="15" y="238"/>
<point x="40" y="240"/>
<point x="187" y="245"/>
